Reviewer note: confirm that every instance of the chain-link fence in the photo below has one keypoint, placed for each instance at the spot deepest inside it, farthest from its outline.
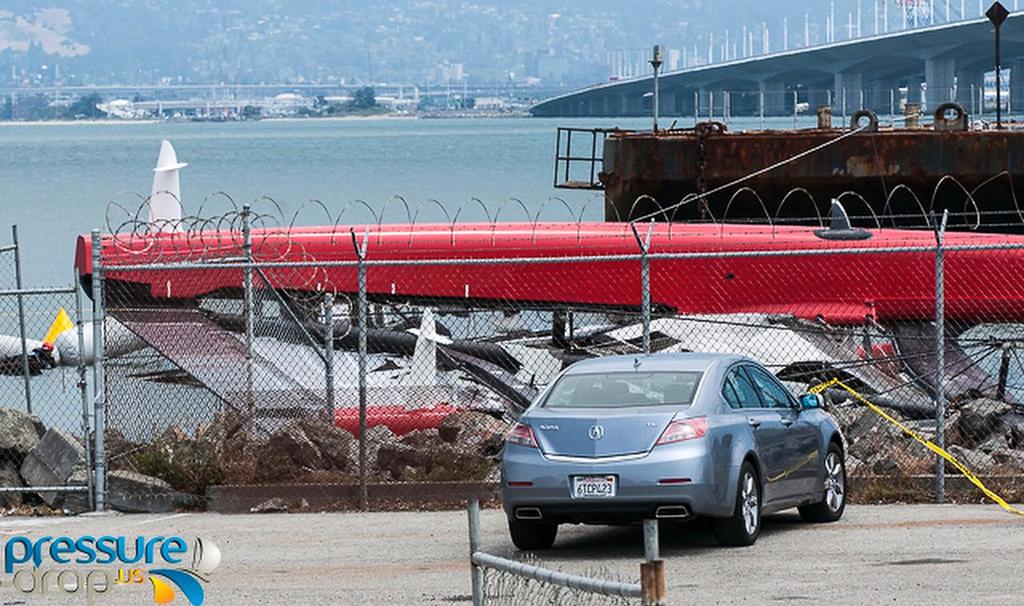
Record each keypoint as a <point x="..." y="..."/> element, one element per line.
<point x="219" y="371"/>
<point x="44" y="410"/>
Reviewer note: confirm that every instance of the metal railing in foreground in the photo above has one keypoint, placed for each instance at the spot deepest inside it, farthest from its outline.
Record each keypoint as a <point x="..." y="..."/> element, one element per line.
<point x="650" y="590"/>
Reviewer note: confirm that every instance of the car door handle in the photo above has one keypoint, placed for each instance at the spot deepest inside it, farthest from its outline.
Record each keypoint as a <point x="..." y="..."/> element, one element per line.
<point x="753" y="422"/>
<point x="786" y="422"/>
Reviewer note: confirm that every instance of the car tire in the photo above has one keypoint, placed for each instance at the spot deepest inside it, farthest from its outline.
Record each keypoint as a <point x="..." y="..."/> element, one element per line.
<point x="743" y="527"/>
<point x="530" y="536"/>
<point x="833" y="502"/>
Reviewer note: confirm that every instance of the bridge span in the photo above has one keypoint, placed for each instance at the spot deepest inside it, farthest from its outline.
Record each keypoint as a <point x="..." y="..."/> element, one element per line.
<point x="931" y="65"/>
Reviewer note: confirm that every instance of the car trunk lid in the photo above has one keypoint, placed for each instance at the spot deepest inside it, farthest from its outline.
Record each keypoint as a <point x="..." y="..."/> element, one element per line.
<point x="593" y="433"/>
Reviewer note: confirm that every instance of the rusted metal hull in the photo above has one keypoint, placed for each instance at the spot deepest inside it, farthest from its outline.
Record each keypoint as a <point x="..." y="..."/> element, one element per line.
<point x="898" y="176"/>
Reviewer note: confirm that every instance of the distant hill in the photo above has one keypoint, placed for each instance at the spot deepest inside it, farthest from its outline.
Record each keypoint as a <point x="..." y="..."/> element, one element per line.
<point x="423" y="41"/>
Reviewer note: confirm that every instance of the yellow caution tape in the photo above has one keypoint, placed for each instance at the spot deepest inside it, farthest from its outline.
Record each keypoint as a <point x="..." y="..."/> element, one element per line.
<point x="927" y="444"/>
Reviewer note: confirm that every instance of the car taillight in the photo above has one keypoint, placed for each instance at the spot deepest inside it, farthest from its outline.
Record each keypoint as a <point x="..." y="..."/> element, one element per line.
<point x="521" y="435"/>
<point x="682" y="430"/>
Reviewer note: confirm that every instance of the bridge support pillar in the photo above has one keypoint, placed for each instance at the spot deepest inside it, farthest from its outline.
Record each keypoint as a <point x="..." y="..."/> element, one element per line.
<point x="1017" y="85"/>
<point x="968" y="88"/>
<point x="938" y="77"/>
<point x="773" y="92"/>
<point x="818" y="95"/>
<point x="849" y="91"/>
<point x="914" y="90"/>
<point x="882" y="97"/>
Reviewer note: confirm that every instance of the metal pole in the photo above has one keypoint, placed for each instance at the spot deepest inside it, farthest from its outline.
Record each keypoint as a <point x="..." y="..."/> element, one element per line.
<point x="476" y="572"/>
<point x="940" y="358"/>
<point x="999" y="84"/>
<point x="364" y="501"/>
<point x="651" y="540"/>
<point x="796" y="100"/>
<point x="892" y="106"/>
<point x="696" y="107"/>
<point x="25" y="371"/>
<point x="83" y="388"/>
<point x="247" y="306"/>
<point x="656" y="64"/>
<point x="645" y="284"/>
<point x="329" y="354"/>
<point x="99" y="382"/>
<point x="761" y="107"/>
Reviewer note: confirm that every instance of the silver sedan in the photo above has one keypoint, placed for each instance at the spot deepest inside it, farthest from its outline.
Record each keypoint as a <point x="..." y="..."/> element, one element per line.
<point x="670" y="436"/>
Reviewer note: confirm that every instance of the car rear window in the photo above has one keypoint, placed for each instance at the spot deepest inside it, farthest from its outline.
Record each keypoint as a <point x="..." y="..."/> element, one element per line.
<point x="624" y="389"/>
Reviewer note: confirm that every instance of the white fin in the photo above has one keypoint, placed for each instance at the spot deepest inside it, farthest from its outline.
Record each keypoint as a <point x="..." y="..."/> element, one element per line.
<point x="165" y="197"/>
<point x="423" y="368"/>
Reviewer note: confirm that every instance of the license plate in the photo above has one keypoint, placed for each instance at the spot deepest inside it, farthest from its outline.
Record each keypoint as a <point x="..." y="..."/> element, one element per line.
<point x="593" y="487"/>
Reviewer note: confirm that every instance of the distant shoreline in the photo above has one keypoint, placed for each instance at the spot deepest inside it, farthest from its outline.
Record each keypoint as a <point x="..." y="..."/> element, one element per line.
<point x="352" y="118"/>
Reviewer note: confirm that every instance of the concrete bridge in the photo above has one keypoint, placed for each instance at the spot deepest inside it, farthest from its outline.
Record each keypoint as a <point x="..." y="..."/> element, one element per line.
<point x="930" y="65"/>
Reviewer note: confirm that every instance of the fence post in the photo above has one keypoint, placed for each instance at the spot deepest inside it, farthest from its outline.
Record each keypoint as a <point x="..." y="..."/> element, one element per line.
<point x="364" y="501"/>
<point x="645" y="284"/>
<point x="329" y="354"/>
<point x="99" y="382"/>
<point x="83" y="388"/>
<point x="26" y="373"/>
<point x="940" y="358"/>
<point x="247" y="306"/>
<point x="476" y="572"/>
<point x="652" y="570"/>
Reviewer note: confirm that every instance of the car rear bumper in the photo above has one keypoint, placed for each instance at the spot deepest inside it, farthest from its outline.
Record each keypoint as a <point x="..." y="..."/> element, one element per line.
<point x="679" y="476"/>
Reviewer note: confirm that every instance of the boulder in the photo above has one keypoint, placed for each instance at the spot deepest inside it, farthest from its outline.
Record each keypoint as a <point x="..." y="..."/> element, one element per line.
<point x="470" y="427"/>
<point x="1009" y="459"/>
<point x="333" y="444"/>
<point x="979" y="418"/>
<point x="131" y="492"/>
<point x="19" y="432"/>
<point x="1014" y="423"/>
<point x="997" y="441"/>
<point x="9" y="477"/>
<point x="976" y="461"/>
<point x="52" y="462"/>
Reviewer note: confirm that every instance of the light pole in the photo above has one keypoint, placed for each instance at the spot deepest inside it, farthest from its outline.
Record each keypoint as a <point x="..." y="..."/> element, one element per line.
<point x="997" y="14"/>
<point x="656" y="64"/>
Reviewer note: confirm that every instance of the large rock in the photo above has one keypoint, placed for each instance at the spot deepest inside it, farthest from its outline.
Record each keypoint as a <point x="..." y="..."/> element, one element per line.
<point x="19" y="432"/>
<point x="9" y="478"/>
<point x="1009" y="459"/>
<point x="469" y="427"/>
<point x="132" y="492"/>
<point x="52" y="462"/>
<point x="978" y="419"/>
<point x="977" y="462"/>
<point x="1014" y="423"/>
<point x="333" y="444"/>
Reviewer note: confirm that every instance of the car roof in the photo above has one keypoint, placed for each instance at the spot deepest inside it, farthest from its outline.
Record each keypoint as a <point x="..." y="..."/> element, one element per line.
<point x="685" y="361"/>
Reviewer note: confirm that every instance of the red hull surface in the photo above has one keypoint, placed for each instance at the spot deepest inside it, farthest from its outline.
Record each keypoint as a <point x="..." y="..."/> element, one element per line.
<point x="732" y="268"/>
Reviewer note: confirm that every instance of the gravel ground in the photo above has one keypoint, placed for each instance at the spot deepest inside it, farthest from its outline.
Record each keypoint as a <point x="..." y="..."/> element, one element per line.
<point x="905" y="554"/>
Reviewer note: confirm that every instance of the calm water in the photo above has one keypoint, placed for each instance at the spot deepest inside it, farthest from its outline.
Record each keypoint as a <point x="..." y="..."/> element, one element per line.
<point x="56" y="180"/>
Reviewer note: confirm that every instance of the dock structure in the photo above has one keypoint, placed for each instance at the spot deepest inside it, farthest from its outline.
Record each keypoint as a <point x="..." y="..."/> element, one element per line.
<point x="930" y="66"/>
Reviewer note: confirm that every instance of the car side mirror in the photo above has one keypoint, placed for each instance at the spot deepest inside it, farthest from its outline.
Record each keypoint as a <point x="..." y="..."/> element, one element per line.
<point x="810" y="401"/>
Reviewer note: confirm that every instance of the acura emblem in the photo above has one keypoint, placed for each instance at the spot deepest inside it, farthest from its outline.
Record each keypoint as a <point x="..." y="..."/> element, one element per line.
<point x="596" y="432"/>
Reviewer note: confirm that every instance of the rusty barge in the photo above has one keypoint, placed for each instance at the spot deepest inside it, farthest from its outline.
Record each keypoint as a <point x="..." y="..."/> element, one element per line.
<point x="885" y="176"/>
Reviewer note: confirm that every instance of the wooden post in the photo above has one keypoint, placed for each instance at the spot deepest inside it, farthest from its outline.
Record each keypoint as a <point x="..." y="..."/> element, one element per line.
<point x="652" y="583"/>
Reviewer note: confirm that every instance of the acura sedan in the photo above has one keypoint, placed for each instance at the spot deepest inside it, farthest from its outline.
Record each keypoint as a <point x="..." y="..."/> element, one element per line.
<point x="670" y="436"/>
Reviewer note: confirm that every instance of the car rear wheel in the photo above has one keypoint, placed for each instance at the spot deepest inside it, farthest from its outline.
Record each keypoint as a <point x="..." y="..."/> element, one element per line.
<point x="744" y="525"/>
<point x="530" y="536"/>
<point x="833" y="503"/>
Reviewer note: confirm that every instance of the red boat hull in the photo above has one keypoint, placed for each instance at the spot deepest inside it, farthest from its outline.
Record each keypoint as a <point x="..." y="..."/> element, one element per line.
<point x="734" y="268"/>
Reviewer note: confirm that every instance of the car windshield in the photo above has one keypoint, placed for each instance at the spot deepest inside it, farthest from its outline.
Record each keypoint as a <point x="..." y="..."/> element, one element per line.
<point x="624" y="389"/>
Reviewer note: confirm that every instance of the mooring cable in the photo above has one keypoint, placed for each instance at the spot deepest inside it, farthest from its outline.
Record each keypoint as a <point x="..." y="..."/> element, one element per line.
<point x="757" y="173"/>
